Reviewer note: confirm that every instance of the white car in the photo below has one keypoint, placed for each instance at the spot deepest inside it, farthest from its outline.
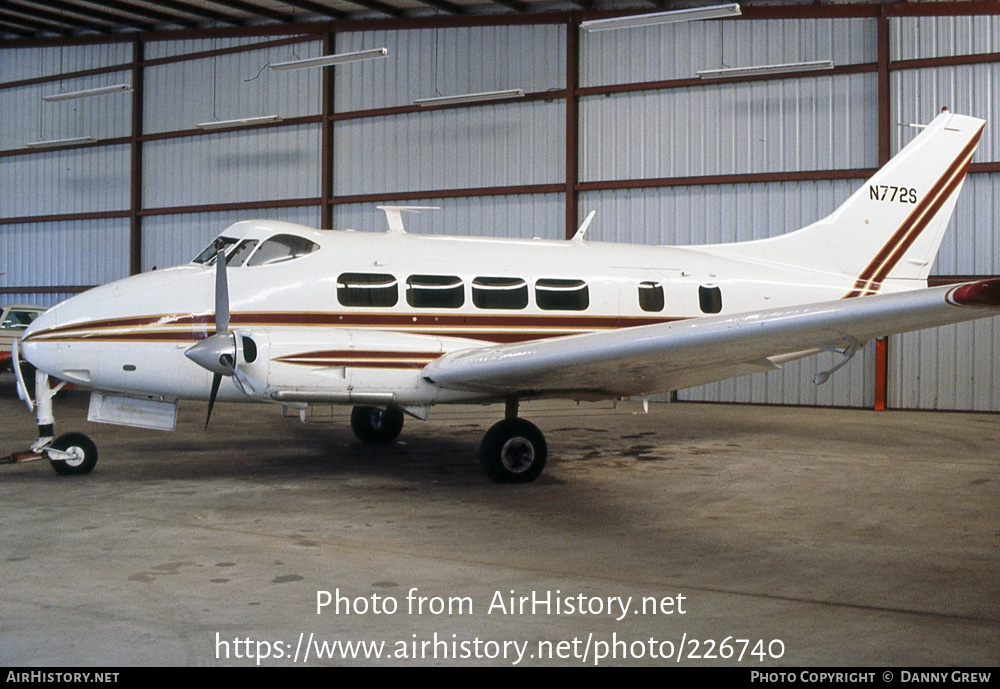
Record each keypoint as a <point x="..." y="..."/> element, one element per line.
<point x="16" y="318"/>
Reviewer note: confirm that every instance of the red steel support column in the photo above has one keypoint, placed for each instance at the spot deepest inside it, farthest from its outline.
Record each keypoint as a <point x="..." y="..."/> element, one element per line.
<point x="884" y="153"/>
<point x="572" y="123"/>
<point x="135" y="156"/>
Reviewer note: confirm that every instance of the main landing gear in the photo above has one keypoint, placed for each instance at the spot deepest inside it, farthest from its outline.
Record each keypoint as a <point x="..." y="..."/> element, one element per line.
<point x="376" y="425"/>
<point x="512" y="451"/>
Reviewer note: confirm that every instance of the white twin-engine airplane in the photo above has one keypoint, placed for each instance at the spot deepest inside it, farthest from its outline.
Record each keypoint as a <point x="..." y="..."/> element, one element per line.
<point x="395" y="323"/>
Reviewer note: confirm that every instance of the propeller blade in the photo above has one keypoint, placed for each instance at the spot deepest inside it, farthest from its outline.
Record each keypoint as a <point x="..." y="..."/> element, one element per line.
<point x="221" y="291"/>
<point x="216" y="379"/>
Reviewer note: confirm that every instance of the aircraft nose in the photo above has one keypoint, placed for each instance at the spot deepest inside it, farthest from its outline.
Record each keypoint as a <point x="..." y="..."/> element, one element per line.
<point x="41" y="345"/>
<point x="43" y="321"/>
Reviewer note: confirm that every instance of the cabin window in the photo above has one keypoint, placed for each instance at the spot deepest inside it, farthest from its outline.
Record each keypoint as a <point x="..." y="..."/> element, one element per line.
<point x="651" y="296"/>
<point x="207" y="256"/>
<point x="282" y="247"/>
<point x="435" y="291"/>
<point x="710" y="299"/>
<point x="367" y="289"/>
<point x="500" y="293"/>
<point x="562" y="295"/>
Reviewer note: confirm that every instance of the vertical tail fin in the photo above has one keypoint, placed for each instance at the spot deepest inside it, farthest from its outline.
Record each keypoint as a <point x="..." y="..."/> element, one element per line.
<point x="907" y="205"/>
<point x="891" y="228"/>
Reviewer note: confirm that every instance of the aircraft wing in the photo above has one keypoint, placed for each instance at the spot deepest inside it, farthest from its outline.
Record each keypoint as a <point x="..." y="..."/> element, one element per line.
<point x="652" y="359"/>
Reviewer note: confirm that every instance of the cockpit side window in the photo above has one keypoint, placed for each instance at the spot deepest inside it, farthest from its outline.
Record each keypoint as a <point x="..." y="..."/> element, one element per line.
<point x="207" y="256"/>
<point x="282" y="247"/>
<point x="239" y="255"/>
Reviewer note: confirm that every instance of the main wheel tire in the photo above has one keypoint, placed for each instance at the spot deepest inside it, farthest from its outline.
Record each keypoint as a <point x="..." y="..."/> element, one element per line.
<point x="376" y="425"/>
<point x="84" y="453"/>
<point x="513" y="451"/>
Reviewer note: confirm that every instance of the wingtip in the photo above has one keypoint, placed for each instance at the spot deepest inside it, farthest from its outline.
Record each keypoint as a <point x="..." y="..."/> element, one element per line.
<point x="982" y="294"/>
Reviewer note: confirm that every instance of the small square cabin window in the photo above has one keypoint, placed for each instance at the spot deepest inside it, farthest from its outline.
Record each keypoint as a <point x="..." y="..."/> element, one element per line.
<point x="435" y="291"/>
<point x="710" y="299"/>
<point x="500" y="293"/>
<point x="651" y="296"/>
<point x="562" y="295"/>
<point x="367" y="289"/>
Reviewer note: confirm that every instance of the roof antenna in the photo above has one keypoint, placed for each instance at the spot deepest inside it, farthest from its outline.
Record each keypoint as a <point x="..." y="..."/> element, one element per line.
<point x="578" y="237"/>
<point x="394" y="215"/>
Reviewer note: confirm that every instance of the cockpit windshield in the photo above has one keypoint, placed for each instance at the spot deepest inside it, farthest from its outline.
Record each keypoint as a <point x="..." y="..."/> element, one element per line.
<point x="279" y="248"/>
<point x="207" y="256"/>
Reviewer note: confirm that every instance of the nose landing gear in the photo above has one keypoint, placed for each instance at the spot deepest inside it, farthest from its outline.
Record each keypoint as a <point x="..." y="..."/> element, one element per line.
<point x="71" y="454"/>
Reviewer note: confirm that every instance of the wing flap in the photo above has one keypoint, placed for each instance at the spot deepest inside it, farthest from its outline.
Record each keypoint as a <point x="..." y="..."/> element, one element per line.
<point x="658" y="358"/>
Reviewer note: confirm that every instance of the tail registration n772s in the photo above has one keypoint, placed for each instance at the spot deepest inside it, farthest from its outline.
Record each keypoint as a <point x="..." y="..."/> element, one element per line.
<point x="393" y="324"/>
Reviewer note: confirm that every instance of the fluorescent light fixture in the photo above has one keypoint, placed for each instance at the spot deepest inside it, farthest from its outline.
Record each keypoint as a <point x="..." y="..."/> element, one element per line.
<point x="327" y="60"/>
<point x="724" y="72"/>
<point x="61" y="142"/>
<point x="470" y="97"/>
<point x="87" y="93"/>
<point x="690" y="15"/>
<point x="219" y="124"/>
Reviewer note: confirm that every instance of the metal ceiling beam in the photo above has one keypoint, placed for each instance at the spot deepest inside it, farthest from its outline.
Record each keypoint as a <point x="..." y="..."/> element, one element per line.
<point x="516" y="5"/>
<point x="255" y="10"/>
<point x="201" y="13"/>
<point x="15" y="29"/>
<point x="140" y="11"/>
<point x="382" y="7"/>
<point x="71" y="23"/>
<point x="33" y="24"/>
<point x="445" y="6"/>
<point x="316" y="8"/>
<point x="114" y="20"/>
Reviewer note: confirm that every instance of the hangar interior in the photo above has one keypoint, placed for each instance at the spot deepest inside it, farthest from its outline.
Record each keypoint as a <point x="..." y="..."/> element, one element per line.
<point x="831" y="537"/>
<point x="618" y="122"/>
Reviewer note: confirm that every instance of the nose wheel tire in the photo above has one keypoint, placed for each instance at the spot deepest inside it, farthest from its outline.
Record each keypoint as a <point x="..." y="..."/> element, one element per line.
<point x="376" y="425"/>
<point x="513" y="451"/>
<point x="82" y="451"/>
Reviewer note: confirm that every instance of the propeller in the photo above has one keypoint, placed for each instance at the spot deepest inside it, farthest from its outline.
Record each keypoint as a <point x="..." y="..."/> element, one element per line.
<point x="218" y="352"/>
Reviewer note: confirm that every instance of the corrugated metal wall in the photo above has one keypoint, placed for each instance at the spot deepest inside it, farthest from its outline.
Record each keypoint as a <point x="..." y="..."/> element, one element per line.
<point x="238" y="85"/>
<point x="911" y="38"/>
<point x="954" y="367"/>
<point x="653" y="130"/>
<point x="73" y="252"/>
<point x="813" y="123"/>
<point x="236" y="166"/>
<point x="428" y="62"/>
<point x="678" y="51"/>
<point x="521" y="216"/>
<point x="29" y="63"/>
<point x="78" y="180"/>
<point x="489" y="146"/>
<point x="37" y="120"/>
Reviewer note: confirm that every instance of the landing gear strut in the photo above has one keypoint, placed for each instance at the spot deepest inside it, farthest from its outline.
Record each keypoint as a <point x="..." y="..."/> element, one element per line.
<point x="513" y="450"/>
<point x="69" y="454"/>
<point x="376" y="425"/>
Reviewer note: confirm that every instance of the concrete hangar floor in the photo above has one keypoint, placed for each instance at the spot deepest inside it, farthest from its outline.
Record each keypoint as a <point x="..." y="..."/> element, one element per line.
<point x="731" y="535"/>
